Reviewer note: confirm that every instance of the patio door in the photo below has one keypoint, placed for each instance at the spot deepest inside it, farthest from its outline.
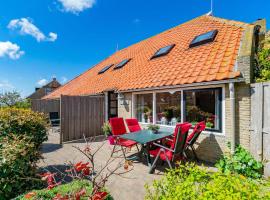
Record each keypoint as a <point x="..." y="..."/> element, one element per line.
<point x="112" y="105"/>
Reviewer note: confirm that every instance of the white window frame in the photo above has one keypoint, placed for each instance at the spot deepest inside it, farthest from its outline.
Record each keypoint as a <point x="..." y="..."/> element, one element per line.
<point x="154" y="92"/>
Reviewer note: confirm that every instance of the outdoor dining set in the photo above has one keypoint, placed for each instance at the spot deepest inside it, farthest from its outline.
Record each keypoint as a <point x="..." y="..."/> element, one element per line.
<point x="166" y="146"/>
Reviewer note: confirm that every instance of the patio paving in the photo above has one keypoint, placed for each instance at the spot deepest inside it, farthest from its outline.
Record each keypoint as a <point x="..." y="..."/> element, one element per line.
<point x="131" y="187"/>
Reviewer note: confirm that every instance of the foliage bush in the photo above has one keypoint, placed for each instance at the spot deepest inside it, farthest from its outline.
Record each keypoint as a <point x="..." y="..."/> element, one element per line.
<point x="70" y="191"/>
<point x="262" y="70"/>
<point x="188" y="182"/>
<point x="18" y="155"/>
<point x="21" y="135"/>
<point x="23" y="122"/>
<point x="13" y="99"/>
<point x="241" y="162"/>
<point x="106" y="128"/>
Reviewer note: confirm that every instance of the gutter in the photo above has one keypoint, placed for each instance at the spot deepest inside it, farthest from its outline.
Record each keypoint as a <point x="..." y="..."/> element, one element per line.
<point x="238" y="80"/>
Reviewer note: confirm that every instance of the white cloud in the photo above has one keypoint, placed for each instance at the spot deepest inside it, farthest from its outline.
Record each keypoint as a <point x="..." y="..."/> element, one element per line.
<point x="10" y="50"/>
<point x="6" y="85"/>
<point x="26" y="27"/>
<point x="52" y="36"/>
<point x="64" y="80"/>
<point x="42" y="82"/>
<point x="76" y="6"/>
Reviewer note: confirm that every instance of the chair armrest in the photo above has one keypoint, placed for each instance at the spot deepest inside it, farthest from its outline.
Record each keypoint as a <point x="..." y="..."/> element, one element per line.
<point x="163" y="147"/>
<point x="169" y="139"/>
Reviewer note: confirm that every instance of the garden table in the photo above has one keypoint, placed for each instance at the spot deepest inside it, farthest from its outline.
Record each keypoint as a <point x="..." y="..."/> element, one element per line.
<point x="145" y="138"/>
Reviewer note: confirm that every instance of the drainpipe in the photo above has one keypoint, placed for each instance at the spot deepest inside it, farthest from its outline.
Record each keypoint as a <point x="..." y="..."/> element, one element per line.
<point x="232" y="106"/>
<point x="106" y="106"/>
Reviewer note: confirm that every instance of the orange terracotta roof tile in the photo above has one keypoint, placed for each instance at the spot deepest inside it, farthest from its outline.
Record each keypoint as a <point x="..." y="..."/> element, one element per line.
<point x="183" y="65"/>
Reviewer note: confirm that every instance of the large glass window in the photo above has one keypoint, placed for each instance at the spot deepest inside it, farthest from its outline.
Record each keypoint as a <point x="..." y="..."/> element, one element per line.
<point x="198" y="105"/>
<point x="204" y="105"/>
<point x="168" y="108"/>
<point x="144" y="108"/>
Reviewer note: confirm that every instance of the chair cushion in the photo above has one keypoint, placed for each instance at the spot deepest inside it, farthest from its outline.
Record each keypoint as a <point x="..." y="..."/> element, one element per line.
<point x="134" y="128"/>
<point x="162" y="154"/>
<point x="133" y="125"/>
<point x="118" y="126"/>
<point x="126" y="143"/>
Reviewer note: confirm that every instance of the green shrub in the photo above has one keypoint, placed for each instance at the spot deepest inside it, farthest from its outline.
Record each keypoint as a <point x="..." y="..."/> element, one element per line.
<point x="188" y="182"/>
<point x="23" y="122"/>
<point x="68" y="189"/>
<point x="262" y="71"/>
<point x="21" y="135"/>
<point x="18" y="156"/>
<point x="241" y="162"/>
<point x="106" y="128"/>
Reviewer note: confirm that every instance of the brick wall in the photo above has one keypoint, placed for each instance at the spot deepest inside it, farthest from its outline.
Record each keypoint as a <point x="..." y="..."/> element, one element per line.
<point x="125" y="108"/>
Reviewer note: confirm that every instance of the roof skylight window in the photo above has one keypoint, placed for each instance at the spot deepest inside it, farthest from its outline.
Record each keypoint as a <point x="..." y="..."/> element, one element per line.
<point x="105" y="69"/>
<point x="163" y="51"/>
<point x="204" y="38"/>
<point x="122" y="64"/>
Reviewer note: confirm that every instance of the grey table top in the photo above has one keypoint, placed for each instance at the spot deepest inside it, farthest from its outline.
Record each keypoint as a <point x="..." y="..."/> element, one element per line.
<point x="145" y="136"/>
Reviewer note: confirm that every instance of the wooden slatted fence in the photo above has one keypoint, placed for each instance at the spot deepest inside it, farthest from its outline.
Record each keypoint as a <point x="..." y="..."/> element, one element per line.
<point x="81" y="115"/>
<point x="46" y="106"/>
<point x="260" y="123"/>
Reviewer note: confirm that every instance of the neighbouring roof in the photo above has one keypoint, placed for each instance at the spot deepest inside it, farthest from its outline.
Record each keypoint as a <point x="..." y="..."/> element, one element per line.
<point x="182" y="65"/>
<point x="39" y="93"/>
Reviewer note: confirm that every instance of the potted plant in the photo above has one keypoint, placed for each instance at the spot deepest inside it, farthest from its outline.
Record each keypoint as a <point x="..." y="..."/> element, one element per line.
<point x="153" y="128"/>
<point x="168" y="113"/>
<point x="107" y="131"/>
<point x="147" y="113"/>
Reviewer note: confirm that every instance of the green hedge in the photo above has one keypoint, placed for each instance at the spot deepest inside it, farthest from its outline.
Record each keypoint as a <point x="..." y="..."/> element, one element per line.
<point x="188" y="182"/>
<point x="23" y="122"/>
<point x="21" y="135"/>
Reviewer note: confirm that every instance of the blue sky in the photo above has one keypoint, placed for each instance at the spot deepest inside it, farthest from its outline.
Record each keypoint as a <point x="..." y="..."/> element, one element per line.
<point x="63" y="38"/>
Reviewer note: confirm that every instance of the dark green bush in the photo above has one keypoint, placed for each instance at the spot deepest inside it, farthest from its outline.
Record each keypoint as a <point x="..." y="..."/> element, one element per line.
<point x="21" y="135"/>
<point x="69" y="190"/>
<point x="23" y="122"/>
<point x="18" y="155"/>
<point x="262" y="70"/>
<point x="188" y="182"/>
<point x="241" y="162"/>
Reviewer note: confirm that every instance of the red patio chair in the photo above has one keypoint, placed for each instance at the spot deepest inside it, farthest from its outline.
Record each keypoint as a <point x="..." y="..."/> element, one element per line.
<point x="192" y="138"/>
<point x="133" y="125"/>
<point x="177" y="148"/>
<point x="118" y="128"/>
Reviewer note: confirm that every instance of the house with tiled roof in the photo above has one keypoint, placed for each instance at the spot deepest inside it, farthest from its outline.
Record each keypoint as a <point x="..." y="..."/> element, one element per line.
<point x="199" y="70"/>
<point x="46" y="89"/>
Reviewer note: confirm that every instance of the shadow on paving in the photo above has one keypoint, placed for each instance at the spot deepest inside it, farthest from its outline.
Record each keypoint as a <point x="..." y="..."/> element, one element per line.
<point x="162" y="166"/>
<point x="93" y="139"/>
<point x="50" y="147"/>
<point x="61" y="175"/>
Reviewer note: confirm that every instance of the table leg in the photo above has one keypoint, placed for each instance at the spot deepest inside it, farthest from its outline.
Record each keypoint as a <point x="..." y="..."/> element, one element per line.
<point x="148" y="157"/>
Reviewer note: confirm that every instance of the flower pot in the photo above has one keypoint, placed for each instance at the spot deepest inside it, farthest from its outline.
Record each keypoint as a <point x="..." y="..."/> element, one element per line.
<point x="111" y="140"/>
<point x="154" y="131"/>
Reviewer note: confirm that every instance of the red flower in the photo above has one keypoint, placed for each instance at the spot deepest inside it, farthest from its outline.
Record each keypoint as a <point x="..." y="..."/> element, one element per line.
<point x="30" y="195"/>
<point x="100" y="196"/>
<point x="86" y="171"/>
<point x="78" y="195"/>
<point x="49" y="177"/>
<point x="77" y="166"/>
<point x="82" y="167"/>
<point x="60" y="197"/>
